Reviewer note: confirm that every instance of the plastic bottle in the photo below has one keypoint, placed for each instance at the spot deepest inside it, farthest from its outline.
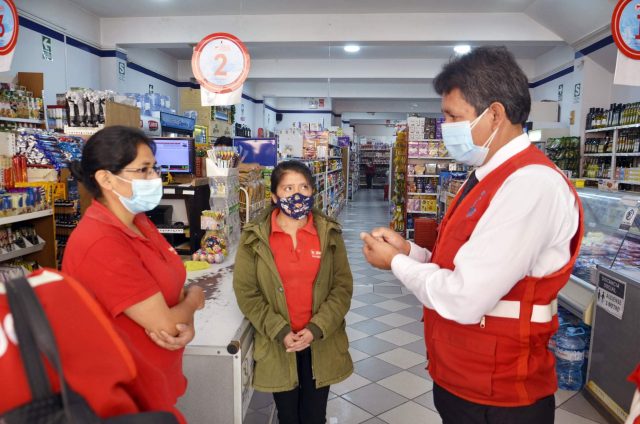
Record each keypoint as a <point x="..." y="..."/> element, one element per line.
<point x="570" y="348"/>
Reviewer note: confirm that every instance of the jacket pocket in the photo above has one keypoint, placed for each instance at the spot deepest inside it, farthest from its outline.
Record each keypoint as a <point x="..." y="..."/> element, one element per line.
<point x="464" y="359"/>
<point x="261" y="348"/>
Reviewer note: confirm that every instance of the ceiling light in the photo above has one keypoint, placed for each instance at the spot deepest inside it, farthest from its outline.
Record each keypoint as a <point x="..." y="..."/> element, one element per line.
<point x="351" y="48"/>
<point x="462" y="49"/>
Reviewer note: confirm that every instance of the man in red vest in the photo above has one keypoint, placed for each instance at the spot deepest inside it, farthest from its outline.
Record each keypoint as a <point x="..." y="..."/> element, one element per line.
<point x="505" y="248"/>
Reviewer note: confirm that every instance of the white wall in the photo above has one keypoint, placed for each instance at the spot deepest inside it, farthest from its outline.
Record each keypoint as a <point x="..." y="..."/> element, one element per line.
<point x="63" y="16"/>
<point x="625" y="94"/>
<point x="553" y="60"/>
<point x="154" y="60"/>
<point x="245" y="115"/>
<point x="549" y="91"/>
<point x="288" y="119"/>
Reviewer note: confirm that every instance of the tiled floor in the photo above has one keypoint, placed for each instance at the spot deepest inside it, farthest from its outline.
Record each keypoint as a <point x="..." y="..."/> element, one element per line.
<point x="390" y="384"/>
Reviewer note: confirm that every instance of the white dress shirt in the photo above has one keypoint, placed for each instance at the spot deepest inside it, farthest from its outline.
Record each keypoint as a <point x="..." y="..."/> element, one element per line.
<point x="525" y="231"/>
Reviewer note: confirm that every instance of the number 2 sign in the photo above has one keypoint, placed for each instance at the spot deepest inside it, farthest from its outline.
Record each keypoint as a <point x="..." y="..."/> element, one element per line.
<point x="625" y="27"/>
<point x="8" y="27"/>
<point x="220" y="63"/>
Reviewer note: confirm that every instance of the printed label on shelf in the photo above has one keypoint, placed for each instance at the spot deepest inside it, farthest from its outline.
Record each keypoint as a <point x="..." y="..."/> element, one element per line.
<point x="628" y="219"/>
<point x="169" y="191"/>
<point x="188" y="192"/>
<point x="611" y="295"/>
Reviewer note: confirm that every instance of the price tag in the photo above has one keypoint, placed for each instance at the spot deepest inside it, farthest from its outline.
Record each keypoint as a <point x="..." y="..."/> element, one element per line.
<point x="220" y="63"/>
<point x="9" y="27"/>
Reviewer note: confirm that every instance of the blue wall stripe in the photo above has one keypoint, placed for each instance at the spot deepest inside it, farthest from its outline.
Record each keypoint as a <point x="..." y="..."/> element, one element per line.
<point x="251" y="99"/>
<point x="552" y="77"/>
<point x="266" y="106"/>
<point x="34" y="26"/>
<point x="595" y="46"/>
<point x="90" y="49"/>
<point x="153" y="74"/>
<point x="303" y="111"/>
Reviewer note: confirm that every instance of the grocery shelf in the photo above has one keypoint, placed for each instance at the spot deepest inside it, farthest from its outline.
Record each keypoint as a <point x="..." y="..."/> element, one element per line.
<point x="335" y="157"/>
<point x="422" y="194"/>
<point x="25" y="217"/>
<point x="598" y="154"/>
<point x="628" y="154"/>
<point x="426" y="139"/>
<point x="424" y="176"/>
<point x="423" y="212"/>
<point x="619" y="127"/>
<point x="22" y="120"/>
<point x="430" y="158"/>
<point x="24" y="251"/>
<point x="629" y="182"/>
<point x="334" y="170"/>
<point x="172" y="230"/>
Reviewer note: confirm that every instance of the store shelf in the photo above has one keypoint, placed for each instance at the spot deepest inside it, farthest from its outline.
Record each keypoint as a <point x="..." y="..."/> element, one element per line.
<point x="448" y="194"/>
<point x="595" y="155"/>
<point x="430" y="158"/>
<point x="620" y="127"/>
<point x="23" y="120"/>
<point x="422" y="194"/>
<point x="423" y="212"/>
<point x="334" y="145"/>
<point x="374" y="150"/>
<point x="426" y="139"/>
<point x="25" y="217"/>
<point x="618" y="181"/>
<point x="629" y="182"/>
<point x="80" y="131"/>
<point x="22" y="252"/>
<point x="424" y="176"/>
<point x="334" y="170"/>
<point x="628" y="154"/>
<point x="335" y="157"/>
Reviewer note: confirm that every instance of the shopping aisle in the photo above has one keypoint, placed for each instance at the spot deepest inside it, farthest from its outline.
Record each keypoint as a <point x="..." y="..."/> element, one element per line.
<point x="390" y="384"/>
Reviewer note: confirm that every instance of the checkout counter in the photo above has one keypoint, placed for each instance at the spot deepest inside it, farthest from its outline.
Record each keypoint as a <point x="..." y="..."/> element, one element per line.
<point x="604" y="291"/>
<point x="218" y="363"/>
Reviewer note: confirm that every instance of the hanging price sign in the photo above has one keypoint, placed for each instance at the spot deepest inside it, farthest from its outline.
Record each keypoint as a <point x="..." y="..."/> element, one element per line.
<point x="8" y="27"/>
<point x="220" y="63"/>
<point x="625" y="27"/>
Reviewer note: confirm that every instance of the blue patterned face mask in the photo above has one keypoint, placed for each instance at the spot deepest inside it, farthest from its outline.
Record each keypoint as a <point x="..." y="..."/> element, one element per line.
<point x="297" y="206"/>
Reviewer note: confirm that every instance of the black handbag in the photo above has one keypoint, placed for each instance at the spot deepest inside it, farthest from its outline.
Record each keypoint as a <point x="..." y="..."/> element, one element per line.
<point x="46" y="407"/>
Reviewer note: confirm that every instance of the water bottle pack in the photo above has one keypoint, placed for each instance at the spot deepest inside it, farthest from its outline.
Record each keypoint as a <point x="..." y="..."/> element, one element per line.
<point x="570" y="354"/>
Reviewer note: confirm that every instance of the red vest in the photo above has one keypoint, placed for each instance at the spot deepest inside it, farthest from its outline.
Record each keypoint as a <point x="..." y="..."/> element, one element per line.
<point x="503" y="361"/>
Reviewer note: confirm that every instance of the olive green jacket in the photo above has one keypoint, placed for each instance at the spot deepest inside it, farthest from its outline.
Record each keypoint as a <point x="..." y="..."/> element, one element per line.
<point x="261" y="298"/>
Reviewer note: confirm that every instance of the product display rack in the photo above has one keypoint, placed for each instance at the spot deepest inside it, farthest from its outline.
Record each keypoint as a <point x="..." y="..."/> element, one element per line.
<point x="354" y="169"/>
<point x="381" y="157"/>
<point x="612" y="153"/>
<point x="44" y="252"/>
<point x="398" y="184"/>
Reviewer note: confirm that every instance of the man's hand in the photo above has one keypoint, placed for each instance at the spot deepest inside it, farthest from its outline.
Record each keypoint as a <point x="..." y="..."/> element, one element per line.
<point x="393" y="238"/>
<point x="378" y="253"/>
<point x="186" y="333"/>
<point x="295" y="343"/>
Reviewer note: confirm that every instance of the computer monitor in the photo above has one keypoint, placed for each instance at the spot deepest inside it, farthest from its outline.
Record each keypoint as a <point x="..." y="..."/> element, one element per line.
<point x="176" y="155"/>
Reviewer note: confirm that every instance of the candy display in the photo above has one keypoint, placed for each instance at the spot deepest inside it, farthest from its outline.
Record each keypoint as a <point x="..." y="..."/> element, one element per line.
<point x="18" y="237"/>
<point x="46" y="148"/>
<point x="86" y="107"/>
<point x="224" y="157"/>
<point x="213" y="248"/>
<point x="17" y="102"/>
<point x="252" y="198"/>
<point x="22" y="200"/>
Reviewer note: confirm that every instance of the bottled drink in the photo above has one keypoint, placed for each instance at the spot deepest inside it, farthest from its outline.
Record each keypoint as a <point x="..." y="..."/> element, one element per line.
<point x="570" y="350"/>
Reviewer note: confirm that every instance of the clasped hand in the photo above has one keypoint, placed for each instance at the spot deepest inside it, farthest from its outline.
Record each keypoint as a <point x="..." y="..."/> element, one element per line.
<point x="296" y="342"/>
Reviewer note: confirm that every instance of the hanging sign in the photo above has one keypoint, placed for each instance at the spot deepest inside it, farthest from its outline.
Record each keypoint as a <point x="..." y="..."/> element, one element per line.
<point x="220" y="63"/>
<point x="625" y="27"/>
<point x="9" y="28"/>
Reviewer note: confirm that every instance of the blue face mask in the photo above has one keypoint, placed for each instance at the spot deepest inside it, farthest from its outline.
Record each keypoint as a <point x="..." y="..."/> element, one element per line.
<point x="297" y="206"/>
<point x="146" y="195"/>
<point x="459" y="142"/>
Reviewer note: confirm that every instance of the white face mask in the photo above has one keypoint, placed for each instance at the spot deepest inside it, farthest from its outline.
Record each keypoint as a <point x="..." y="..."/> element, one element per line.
<point x="459" y="142"/>
<point x="146" y="195"/>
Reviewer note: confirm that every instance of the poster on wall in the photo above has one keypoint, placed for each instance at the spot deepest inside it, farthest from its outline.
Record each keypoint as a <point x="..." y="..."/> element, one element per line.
<point x="577" y="93"/>
<point x="221" y="64"/>
<point x="9" y="28"/>
<point x="47" y="50"/>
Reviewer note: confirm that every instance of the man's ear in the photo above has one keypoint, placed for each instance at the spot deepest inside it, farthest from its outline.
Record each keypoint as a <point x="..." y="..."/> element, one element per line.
<point x="499" y="114"/>
<point x="104" y="179"/>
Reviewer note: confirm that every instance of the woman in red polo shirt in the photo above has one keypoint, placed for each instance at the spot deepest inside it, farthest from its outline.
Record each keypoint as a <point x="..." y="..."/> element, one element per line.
<point x="128" y="266"/>
<point x="292" y="281"/>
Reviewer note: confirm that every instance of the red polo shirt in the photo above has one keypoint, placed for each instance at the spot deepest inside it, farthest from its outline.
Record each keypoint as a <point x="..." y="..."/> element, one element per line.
<point x="120" y="268"/>
<point x="298" y="268"/>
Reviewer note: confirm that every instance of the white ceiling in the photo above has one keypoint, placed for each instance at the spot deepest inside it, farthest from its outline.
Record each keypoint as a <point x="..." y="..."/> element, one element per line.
<point x="260" y="51"/>
<point x="128" y="8"/>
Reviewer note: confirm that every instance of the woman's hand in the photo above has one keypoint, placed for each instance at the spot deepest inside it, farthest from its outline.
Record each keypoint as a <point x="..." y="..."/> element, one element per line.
<point x="296" y="342"/>
<point x="186" y="333"/>
<point x="195" y="295"/>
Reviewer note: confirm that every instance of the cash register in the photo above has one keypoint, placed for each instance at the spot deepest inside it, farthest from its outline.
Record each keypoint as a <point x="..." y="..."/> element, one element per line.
<point x="184" y="196"/>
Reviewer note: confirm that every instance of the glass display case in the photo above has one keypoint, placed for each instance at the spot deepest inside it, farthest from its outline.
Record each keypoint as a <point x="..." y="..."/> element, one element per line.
<point x="604" y="243"/>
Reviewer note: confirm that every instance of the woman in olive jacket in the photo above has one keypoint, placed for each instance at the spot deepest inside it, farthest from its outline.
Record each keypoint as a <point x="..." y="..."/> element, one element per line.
<point x="296" y="364"/>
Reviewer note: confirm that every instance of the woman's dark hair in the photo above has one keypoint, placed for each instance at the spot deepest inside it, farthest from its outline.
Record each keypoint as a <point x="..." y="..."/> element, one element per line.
<point x="223" y="141"/>
<point x="487" y="75"/>
<point x="289" y="166"/>
<point x="110" y="149"/>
